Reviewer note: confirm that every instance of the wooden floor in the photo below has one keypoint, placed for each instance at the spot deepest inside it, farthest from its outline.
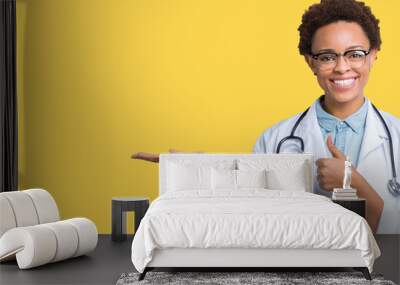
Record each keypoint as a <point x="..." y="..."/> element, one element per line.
<point x="111" y="259"/>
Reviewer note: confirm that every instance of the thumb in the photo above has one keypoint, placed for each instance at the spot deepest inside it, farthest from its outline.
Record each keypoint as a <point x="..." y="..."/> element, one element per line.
<point x="333" y="150"/>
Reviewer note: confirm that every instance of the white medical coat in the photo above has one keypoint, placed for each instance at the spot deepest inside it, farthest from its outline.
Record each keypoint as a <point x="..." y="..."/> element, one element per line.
<point x="374" y="159"/>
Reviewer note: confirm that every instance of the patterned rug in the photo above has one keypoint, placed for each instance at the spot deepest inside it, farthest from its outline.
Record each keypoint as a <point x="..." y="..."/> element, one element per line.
<point x="243" y="278"/>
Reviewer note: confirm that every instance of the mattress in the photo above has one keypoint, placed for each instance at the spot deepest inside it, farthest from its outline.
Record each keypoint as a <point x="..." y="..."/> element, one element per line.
<point x="250" y="219"/>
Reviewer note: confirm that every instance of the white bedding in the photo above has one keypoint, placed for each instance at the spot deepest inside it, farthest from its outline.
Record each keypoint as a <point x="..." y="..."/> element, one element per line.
<point x="250" y="218"/>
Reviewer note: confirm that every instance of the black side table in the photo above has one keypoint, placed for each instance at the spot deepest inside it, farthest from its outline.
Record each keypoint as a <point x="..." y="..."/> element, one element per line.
<point x="357" y="205"/>
<point x="120" y="205"/>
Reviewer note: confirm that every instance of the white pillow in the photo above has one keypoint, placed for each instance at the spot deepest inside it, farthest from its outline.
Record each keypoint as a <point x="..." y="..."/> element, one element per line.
<point x="237" y="179"/>
<point x="283" y="173"/>
<point x="293" y="179"/>
<point x="251" y="178"/>
<point x="223" y="179"/>
<point x="188" y="177"/>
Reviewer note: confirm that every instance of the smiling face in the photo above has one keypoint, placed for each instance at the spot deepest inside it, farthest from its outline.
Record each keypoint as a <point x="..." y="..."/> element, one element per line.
<point x="340" y="37"/>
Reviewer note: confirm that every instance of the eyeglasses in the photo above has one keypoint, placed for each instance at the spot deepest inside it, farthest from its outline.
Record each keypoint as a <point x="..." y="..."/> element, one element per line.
<point x="328" y="60"/>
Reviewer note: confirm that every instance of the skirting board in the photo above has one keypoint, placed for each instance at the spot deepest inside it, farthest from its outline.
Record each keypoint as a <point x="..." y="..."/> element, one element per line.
<point x="189" y="257"/>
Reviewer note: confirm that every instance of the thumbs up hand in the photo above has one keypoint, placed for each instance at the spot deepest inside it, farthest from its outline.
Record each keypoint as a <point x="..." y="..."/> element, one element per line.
<point x="333" y="150"/>
<point x="330" y="171"/>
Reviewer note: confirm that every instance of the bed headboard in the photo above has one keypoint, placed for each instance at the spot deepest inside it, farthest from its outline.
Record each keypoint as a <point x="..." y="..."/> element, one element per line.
<point x="236" y="159"/>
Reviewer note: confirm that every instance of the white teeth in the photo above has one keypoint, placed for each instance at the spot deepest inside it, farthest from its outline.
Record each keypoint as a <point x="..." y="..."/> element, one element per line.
<point x="346" y="82"/>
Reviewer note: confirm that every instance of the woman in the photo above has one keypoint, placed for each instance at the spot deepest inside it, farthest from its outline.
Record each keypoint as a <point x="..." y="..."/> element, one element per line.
<point x="339" y="40"/>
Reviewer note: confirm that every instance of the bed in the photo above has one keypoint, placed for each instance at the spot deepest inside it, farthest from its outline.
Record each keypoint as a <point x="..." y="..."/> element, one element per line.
<point x="247" y="211"/>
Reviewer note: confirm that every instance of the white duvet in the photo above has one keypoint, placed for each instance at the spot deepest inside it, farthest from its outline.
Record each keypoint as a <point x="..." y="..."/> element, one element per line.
<point x="251" y="218"/>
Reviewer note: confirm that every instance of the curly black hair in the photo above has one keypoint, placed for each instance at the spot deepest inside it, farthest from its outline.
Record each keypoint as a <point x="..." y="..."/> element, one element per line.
<point x="330" y="11"/>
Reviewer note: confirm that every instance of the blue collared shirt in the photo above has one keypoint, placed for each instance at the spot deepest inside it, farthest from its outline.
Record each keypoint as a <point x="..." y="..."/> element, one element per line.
<point x="346" y="135"/>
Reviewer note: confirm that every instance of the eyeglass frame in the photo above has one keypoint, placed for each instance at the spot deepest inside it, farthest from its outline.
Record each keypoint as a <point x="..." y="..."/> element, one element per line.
<point x="315" y="56"/>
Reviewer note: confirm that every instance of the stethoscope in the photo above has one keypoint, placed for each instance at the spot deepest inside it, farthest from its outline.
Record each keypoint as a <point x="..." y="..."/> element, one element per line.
<point x="393" y="185"/>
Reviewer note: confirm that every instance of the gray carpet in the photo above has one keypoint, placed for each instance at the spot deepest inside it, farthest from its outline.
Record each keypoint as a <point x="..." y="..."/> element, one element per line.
<point x="269" y="278"/>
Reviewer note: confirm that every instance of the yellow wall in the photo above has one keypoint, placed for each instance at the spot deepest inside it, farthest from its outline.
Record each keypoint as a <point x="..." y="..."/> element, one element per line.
<point x="101" y="79"/>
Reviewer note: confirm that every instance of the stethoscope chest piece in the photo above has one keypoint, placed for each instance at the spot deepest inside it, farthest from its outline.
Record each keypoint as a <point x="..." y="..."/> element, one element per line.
<point x="394" y="187"/>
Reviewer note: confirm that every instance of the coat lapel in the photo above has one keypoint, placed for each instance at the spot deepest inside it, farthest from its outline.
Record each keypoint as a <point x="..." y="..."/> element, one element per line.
<point x="311" y="133"/>
<point x="374" y="134"/>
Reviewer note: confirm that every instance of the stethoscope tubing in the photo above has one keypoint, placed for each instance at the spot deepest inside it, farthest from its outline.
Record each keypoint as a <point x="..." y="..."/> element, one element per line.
<point x="292" y="136"/>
